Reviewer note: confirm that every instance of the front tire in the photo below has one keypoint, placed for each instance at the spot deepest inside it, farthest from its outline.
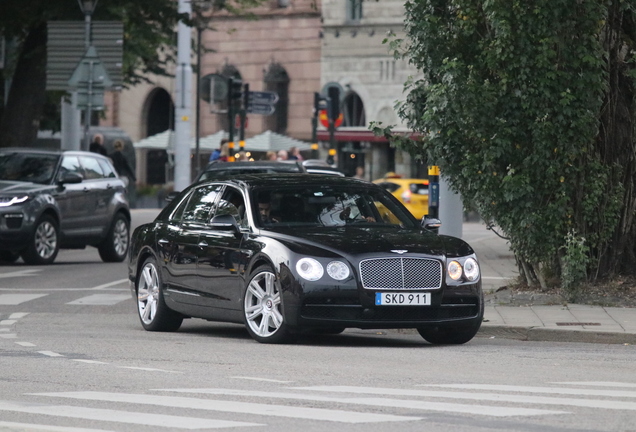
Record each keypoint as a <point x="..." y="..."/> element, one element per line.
<point x="115" y="247"/>
<point x="263" y="308"/>
<point x="44" y="243"/>
<point x="151" y="307"/>
<point x="448" y="336"/>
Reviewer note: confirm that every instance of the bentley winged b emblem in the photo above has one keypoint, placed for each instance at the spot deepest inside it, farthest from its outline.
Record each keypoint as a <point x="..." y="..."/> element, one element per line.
<point x="399" y="251"/>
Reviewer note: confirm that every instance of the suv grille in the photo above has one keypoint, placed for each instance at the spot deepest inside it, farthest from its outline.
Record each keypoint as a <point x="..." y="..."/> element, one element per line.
<point x="401" y="273"/>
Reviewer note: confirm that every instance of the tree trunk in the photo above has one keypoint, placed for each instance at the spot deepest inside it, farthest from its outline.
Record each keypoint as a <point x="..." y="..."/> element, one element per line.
<point x="21" y="117"/>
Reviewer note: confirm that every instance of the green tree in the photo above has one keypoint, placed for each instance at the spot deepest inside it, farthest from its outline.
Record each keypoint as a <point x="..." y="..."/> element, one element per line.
<point x="528" y="108"/>
<point x="149" y="44"/>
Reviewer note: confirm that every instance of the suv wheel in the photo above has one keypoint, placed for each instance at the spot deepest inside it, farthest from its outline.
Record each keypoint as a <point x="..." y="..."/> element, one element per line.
<point x="115" y="247"/>
<point x="44" y="242"/>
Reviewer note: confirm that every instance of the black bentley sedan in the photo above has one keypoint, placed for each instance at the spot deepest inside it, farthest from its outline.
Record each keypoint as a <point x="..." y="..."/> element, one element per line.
<point x="287" y="254"/>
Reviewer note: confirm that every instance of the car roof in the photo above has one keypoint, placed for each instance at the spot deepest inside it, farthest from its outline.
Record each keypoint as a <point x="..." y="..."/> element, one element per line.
<point x="401" y="180"/>
<point x="56" y="152"/>
<point x="289" y="179"/>
<point x="255" y="164"/>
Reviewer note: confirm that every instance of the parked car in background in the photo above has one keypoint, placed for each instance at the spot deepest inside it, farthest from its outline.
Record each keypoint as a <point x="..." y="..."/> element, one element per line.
<point x="411" y="192"/>
<point x="285" y="254"/>
<point x="53" y="199"/>
<point x="218" y="169"/>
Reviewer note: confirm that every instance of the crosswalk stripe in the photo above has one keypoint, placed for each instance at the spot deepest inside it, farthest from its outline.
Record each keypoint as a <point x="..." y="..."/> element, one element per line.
<point x="543" y="400"/>
<point x="546" y="390"/>
<point x="236" y="407"/>
<point x="47" y="428"/>
<point x="130" y="417"/>
<point x="599" y="384"/>
<point x="101" y="299"/>
<point x="16" y="299"/>
<point x="494" y="411"/>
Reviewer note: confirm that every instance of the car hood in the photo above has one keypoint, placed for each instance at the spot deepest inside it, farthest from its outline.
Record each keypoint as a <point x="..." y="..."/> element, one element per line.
<point x="359" y="240"/>
<point x="13" y="187"/>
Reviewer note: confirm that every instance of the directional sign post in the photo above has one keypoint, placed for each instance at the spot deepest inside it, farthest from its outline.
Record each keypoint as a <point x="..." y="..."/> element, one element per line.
<point x="262" y="103"/>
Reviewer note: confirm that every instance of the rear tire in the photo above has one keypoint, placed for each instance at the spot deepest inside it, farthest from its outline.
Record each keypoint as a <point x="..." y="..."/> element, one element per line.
<point x="115" y="247"/>
<point x="44" y="243"/>
<point x="151" y="307"/>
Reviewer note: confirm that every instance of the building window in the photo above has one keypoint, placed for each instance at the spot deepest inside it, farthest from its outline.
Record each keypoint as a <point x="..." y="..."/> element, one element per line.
<point x="277" y="81"/>
<point x="353" y="111"/>
<point x="354" y="10"/>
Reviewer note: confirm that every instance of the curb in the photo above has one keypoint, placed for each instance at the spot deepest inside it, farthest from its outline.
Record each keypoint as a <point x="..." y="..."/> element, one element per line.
<point x="542" y="334"/>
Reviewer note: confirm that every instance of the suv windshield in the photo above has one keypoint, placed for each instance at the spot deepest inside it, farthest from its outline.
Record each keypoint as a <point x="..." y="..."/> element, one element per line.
<point x="328" y="206"/>
<point x="28" y="167"/>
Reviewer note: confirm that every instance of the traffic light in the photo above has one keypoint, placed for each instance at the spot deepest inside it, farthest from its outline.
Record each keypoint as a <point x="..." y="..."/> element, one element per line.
<point x="235" y="90"/>
<point x="334" y="102"/>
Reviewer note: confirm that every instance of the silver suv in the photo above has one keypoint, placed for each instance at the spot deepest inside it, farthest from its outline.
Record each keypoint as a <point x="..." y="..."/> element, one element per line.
<point x="60" y="199"/>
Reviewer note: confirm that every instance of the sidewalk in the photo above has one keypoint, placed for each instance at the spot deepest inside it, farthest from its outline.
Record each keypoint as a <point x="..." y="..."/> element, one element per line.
<point x="536" y="321"/>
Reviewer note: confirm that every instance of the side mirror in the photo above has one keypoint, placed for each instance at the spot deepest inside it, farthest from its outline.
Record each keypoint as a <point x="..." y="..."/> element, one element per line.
<point x="69" y="178"/>
<point x="430" y="223"/>
<point x="225" y="222"/>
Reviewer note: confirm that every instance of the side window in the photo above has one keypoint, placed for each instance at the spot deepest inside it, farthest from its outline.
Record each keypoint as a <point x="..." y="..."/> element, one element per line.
<point x="232" y="203"/>
<point x="92" y="169"/>
<point x="71" y="164"/>
<point x="107" y="168"/>
<point x="200" y="204"/>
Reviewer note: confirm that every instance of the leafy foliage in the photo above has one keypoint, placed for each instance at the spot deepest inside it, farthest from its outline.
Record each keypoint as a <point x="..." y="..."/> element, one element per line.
<point x="510" y="106"/>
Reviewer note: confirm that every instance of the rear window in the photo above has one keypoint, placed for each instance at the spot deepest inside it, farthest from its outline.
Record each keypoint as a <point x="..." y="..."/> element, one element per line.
<point x="419" y="188"/>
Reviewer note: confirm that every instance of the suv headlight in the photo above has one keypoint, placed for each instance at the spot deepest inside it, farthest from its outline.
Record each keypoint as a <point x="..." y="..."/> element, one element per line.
<point x="7" y="202"/>
<point x="463" y="268"/>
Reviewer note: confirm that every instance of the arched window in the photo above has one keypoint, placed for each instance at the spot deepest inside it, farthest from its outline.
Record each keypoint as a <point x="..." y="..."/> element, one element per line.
<point x="276" y="80"/>
<point x="353" y="111"/>
<point x="228" y="71"/>
<point x="159" y="112"/>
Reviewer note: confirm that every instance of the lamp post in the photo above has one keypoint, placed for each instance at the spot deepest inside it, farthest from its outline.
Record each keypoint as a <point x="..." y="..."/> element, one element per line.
<point x="201" y="24"/>
<point x="87" y="7"/>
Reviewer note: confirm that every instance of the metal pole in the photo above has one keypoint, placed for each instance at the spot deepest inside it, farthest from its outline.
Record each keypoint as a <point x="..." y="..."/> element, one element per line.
<point x="183" y="105"/>
<point x="198" y="105"/>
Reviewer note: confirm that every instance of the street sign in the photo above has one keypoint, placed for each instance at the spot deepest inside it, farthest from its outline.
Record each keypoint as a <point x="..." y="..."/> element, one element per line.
<point x="213" y="88"/>
<point x="261" y="108"/>
<point x="324" y="119"/>
<point x="255" y="97"/>
<point x="90" y="78"/>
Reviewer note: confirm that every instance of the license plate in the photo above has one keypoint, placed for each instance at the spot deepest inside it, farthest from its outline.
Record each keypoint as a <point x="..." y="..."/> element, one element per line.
<point x="402" y="299"/>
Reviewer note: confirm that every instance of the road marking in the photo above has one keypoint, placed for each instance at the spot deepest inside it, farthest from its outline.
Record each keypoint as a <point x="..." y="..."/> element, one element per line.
<point x="26" y="344"/>
<point x="236" y="407"/>
<point x="89" y="361"/>
<point x="8" y="336"/>
<point x="18" y="315"/>
<point x="8" y="322"/>
<point x="543" y="400"/>
<point x="263" y="379"/>
<point x="16" y="299"/>
<point x="117" y="282"/>
<point x="101" y="299"/>
<point x="546" y="390"/>
<point x="600" y="384"/>
<point x="148" y="369"/>
<point x="50" y="354"/>
<point x="20" y="273"/>
<point x="381" y="402"/>
<point x="49" y="428"/>
<point x="130" y="417"/>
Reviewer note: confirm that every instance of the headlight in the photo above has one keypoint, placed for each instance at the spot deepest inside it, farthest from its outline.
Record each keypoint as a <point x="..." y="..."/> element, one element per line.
<point x="310" y="269"/>
<point x="14" y="200"/>
<point x="454" y="270"/>
<point x="338" y="270"/>
<point x="467" y="267"/>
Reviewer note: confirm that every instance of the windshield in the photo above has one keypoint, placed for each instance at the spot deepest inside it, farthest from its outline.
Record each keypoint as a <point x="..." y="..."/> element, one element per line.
<point x="329" y="206"/>
<point x="28" y="167"/>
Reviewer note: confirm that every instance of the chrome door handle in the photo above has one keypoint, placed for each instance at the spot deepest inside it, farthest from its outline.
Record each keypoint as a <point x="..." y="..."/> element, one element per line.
<point x="203" y="244"/>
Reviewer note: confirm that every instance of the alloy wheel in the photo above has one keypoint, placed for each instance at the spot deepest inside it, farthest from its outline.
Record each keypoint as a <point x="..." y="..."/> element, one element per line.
<point x="148" y="294"/>
<point x="45" y="240"/>
<point x="120" y="236"/>
<point x="263" y="305"/>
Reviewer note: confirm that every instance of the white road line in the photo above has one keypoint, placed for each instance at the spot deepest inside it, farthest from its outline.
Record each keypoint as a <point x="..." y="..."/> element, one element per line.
<point x="60" y="289"/>
<point x="20" y="273"/>
<point x="486" y="410"/>
<point x="117" y="282"/>
<point x="16" y="299"/>
<point x="26" y="344"/>
<point x="8" y="322"/>
<point x="545" y="390"/>
<point x="130" y="417"/>
<point x="18" y="315"/>
<point x="236" y="407"/>
<point x="262" y="379"/>
<point x="147" y="369"/>
<point x="48" y="428"/>
<point x="50" y="354"/>
<point x="8" y="336"/>
<point x="505" y="398"/>
<point x="599" y="384"/>
<point x="101" y="299"/>
<point x="89" y="361"/>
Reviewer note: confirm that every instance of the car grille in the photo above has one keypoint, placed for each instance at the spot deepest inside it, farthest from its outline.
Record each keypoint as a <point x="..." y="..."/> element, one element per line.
<point x="401" y="273"/>
<point x="390" y="313"/>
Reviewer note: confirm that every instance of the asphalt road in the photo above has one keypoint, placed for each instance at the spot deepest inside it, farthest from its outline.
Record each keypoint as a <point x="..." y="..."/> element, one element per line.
<point x="73" y="357"/>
